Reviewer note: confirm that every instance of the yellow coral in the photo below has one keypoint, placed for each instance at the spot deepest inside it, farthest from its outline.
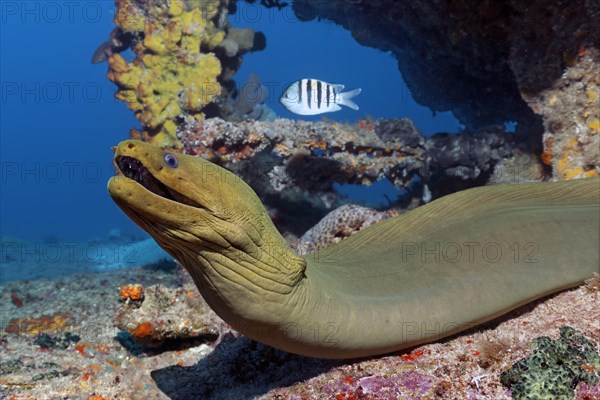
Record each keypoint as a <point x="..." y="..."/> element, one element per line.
<point x="594" y="125"/>
<point x="129" y="17"/>
<point x="573" y="172"/>
<point x="566" y="165"/>
<point x="170" y="76"/>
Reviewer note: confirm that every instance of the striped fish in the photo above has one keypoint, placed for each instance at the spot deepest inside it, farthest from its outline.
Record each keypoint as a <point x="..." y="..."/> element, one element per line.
<point x="312" y="97"/>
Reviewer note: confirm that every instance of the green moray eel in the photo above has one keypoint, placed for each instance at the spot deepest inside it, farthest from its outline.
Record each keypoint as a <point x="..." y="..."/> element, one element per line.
<point x="437" y="270"/>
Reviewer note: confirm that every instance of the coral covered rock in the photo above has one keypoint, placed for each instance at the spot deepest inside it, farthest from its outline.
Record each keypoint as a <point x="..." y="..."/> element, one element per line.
<point x="467" y="156"/>
<point x="555" y="368"/>
<point x="339" y="224"/>
<point x="185" y="53"/>
<point x="523" y="167"/>
<point x="132" y="292"/>
<point x="571" y="110"/>
<point x="293" y="165"/>
<point x="172" y="74"/>
<point x="494" y="61"/>
<point x="167" y="314"/>
<point x="452" y="54"/>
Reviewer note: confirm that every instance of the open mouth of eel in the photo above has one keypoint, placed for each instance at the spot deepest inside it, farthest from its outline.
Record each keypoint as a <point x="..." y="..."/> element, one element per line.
<point x="135" y="170"/>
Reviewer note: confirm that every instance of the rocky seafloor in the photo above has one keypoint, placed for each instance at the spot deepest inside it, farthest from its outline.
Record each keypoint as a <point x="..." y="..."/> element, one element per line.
<point x="95" y="336"/>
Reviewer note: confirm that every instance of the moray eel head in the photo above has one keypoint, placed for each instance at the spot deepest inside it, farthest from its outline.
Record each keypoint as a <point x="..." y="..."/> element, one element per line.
<point x="154" y="186"/>
<point x="210" y="221"/>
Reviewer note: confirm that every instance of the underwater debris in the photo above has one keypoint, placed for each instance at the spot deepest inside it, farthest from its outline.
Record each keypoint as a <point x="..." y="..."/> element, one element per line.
<point x="555" y="367"/>
<point x="394" y="149"/>
<point x="290" y="164"/>
<point x="447" y="64"/>
<point x="571" y="110"/>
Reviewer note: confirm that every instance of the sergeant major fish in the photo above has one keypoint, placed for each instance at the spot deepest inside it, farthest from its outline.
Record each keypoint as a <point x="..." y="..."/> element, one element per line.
<point x="312" y="97"/>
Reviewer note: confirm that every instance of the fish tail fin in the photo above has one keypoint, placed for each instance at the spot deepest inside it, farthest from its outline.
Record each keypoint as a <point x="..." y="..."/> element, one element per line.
<point x="345" y="98"/>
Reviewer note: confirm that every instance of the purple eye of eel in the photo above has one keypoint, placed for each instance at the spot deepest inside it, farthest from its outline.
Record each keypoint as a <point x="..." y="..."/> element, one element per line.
<point x="444" y="267"/>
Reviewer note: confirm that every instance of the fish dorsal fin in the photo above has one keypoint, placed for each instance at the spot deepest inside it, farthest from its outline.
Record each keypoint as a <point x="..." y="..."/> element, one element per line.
<point x="338" y="87"/>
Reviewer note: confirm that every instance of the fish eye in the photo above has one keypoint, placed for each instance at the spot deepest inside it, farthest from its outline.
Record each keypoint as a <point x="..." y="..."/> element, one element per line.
<point x="171" y="160"/>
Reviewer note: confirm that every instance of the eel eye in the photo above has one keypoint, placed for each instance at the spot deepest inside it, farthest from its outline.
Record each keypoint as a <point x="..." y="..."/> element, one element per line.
<point x="171" y="160"/>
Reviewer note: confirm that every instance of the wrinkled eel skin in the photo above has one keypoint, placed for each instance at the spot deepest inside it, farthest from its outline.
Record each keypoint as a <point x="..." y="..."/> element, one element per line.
<point x="444" y="267"/>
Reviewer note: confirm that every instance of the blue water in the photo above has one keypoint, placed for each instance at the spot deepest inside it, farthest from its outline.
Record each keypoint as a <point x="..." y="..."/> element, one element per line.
<point x="59" y="118"/>
<point x="59" y="121"/>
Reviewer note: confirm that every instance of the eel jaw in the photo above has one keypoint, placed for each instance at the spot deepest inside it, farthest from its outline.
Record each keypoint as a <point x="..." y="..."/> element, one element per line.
<point x="133" y="169"/>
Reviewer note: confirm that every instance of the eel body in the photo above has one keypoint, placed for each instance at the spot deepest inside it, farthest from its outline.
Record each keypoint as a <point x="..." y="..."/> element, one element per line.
<point x="437" y="270"/>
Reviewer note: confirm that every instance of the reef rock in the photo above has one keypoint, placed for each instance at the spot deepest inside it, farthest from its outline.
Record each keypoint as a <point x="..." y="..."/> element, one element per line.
<point x="293" y="165"/>
<point x="162" y="314"/>
<point x="186" y="54"/>
<point x="338" y="225"/>
<point x="555" y="367"/>
<point x="492" y="61"/>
